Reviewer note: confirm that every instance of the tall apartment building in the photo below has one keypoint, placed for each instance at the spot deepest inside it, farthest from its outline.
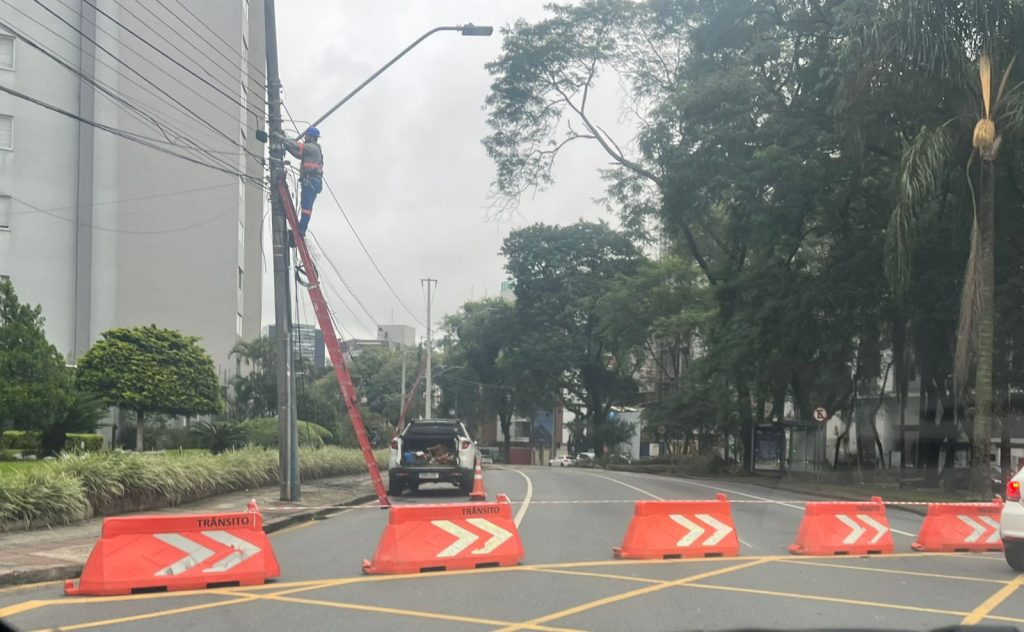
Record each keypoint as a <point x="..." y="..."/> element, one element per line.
<point x="103" y="231"/>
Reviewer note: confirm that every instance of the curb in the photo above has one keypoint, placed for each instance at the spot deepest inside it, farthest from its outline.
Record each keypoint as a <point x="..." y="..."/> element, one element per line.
<point x="276" y="524"/>
<point x="73" y="571"/>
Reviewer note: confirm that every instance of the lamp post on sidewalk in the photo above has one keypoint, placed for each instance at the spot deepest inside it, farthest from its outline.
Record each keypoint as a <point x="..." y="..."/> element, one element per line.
<point x="467" y="30"/>
<point x="288" y="432"/>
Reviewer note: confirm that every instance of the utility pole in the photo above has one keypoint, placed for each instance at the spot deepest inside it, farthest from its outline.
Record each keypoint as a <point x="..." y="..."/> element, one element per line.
<point x="431" y="283"/>
<point x="403" y="375"/>
<point x="289" y="430"/>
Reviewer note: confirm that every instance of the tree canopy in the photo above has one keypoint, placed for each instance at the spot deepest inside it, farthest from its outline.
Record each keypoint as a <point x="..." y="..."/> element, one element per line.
<point x="151" y="370"/>
<point x="35" y="390"/>
<point x="806" y="166"/>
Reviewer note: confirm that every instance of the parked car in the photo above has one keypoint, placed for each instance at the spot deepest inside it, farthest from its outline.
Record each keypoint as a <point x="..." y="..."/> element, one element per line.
<point x="561" y="461"/>
<point x="432" y="451"/>
<point x="1011" y="524"/>
<point x="585" y="459"/>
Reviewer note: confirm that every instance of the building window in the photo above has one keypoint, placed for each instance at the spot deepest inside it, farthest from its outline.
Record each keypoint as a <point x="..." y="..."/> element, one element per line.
<point x="6" y="131"/>
<point x="241" y="273"/>
<point x="5" y="212"/>
<point x="238" y="325"/>
<point x="6" y="52"/>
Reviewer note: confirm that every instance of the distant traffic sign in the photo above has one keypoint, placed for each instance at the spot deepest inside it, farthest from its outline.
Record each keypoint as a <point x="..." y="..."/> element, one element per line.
<point x="820" y="414"/>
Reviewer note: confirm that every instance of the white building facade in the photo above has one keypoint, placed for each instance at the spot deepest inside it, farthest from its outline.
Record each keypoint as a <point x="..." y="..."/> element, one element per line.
<point x="103" y="231"/>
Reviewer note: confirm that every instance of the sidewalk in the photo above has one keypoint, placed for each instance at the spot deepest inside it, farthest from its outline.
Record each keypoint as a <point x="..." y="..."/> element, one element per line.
<point x="60" y="552"/>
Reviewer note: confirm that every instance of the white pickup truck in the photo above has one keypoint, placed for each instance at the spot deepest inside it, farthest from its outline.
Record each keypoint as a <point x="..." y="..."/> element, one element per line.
<point x="432" y="451"/>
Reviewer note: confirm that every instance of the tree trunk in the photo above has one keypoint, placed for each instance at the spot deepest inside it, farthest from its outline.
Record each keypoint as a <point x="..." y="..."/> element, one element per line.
<point x="746" y="423"/>
<point x="140" y="422"/>
<point x="506" y="424"/>
<point x="979" y="488"/>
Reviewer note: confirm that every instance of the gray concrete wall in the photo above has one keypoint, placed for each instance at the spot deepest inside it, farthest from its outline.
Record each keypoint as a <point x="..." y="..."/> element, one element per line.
<point x="157" y="240"/>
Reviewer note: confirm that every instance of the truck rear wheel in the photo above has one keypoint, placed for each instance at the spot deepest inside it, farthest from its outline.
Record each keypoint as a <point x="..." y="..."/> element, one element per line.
<point x="1014" y="552"/>
<point x="394" y="486"/>
<point x="466" y="484"/>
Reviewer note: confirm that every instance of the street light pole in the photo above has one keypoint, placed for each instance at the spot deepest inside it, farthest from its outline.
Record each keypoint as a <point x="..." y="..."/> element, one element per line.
<point x="467" y="30"/>
<point x="288" y="428"/>
<point x="431" y="283"/>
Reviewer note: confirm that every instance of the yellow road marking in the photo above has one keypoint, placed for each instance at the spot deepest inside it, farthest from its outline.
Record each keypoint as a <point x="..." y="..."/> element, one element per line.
<point x="895" y="572"/>
<point x="604" y="601"/>
<point x="160" y="613"/>
<point x="322" y="583"/>
<point x="406" y="613"/>
<point x="30" y="586"/>
<point x="842" y="600"/>
<point x="24" y="606"/>
<point x="643" y="580"/>
<point x="990" y="604"/>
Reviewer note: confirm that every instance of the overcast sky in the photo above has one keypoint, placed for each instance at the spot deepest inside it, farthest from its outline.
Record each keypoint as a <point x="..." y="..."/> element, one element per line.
<point x="405" y="156"/>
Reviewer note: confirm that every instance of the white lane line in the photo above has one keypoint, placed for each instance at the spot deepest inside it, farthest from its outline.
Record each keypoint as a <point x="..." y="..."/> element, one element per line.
<point x="624" y="484"/>
<point x="526" y="499"/>
<point x="655" y="497"/>
<point x="774" y="502"/>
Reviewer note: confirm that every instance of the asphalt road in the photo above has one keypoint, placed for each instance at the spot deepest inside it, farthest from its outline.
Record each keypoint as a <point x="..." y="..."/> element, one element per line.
<point x="569" y="520"/>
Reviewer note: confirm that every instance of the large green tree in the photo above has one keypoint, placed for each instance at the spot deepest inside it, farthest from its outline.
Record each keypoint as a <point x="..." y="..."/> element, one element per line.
<point x="151" y="370"/>
<point x="738" y="161"/>
<point x="561" y="275"/>
<point x="35" y="391"/>
<point x="489" y="376"/>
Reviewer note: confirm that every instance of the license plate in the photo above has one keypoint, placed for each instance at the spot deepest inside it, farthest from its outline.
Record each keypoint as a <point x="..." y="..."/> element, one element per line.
<point x="430" y="475"/>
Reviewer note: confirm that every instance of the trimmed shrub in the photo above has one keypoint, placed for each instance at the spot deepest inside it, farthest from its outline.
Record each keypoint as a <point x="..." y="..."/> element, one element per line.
<point x="27" y="441"/>
<point x="85" y="442"/>
<point x="79" y="485"/>
<point x="41" y="496"/>
<point x="263" y="431"/>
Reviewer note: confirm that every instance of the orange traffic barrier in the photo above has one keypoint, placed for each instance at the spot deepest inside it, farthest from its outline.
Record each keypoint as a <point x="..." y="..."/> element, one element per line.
<point x="843" y="528"/>
<point x="667" y="529"/>
<point x="421" y="538"/>
<point x="478" y="492"/>
<point x="177" y="552"/>
<point x="960" y="527"/>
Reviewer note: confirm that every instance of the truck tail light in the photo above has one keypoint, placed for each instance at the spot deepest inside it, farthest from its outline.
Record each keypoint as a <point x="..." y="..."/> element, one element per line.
<point x="394" y="444"/>
<point x="1013" y="490"/>
<point x="465" y="444"/>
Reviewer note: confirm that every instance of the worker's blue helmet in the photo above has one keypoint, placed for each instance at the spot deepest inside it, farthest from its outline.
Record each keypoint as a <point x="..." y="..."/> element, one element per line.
<point x="312" y="131"/>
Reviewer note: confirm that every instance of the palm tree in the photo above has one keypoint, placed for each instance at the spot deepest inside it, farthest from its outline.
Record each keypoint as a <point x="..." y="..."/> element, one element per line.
<point x="254" y="393"/>
<point x="924" y="163"/>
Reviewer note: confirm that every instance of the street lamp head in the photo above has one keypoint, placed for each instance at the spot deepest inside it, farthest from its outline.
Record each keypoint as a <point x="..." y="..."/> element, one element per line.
<point x="471" y="30"/>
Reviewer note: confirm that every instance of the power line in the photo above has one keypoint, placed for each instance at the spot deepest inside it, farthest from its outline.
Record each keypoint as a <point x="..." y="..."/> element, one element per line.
<point x="72" y="220"/>
<point x="137" y="199"/>
<point x="124" y="27"/>
<point x="228" y="71"/>
<point x="258" y="70"/>
<point x="133" y="109"/>
<point x="366" y="251"/>
<point x="147" y="80"/>
<point x="345" y="283"/>
<point x="123" y="43"/>
<point x="358" y="238"/>
<point x="135" y="138"/>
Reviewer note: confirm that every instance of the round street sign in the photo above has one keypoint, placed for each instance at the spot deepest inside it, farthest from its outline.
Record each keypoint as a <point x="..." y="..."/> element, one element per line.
<point x="820" y="414"/>
<point x="661" y="429"/>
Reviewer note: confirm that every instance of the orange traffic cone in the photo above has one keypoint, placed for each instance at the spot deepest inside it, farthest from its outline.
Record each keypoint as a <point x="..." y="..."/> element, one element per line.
<point x="478" y="492"/>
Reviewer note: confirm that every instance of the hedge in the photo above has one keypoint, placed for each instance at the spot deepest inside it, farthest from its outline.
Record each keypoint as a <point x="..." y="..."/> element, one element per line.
<point x="79" y="485"/>
<point x="263" y="431"/>
<point x="25" y="440"/>
<point x="86" y="442"/>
